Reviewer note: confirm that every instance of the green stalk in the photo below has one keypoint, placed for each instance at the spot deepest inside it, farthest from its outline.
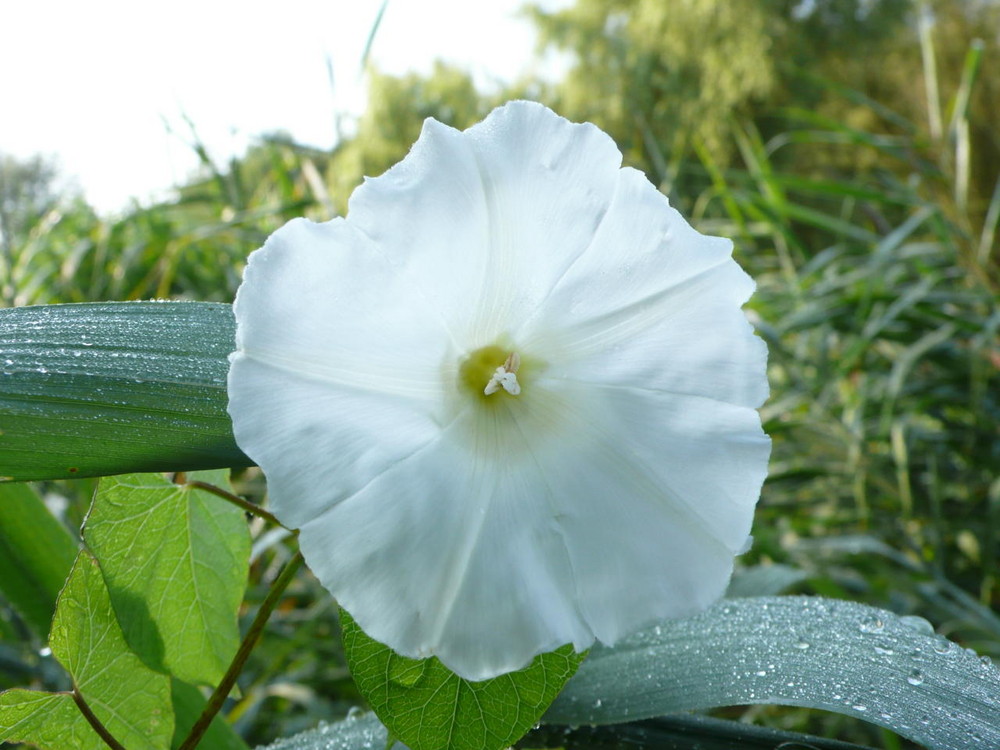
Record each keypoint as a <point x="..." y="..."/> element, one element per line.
<point x="249" y="641"/>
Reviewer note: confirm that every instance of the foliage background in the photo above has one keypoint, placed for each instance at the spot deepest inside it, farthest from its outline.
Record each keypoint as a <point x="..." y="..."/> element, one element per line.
<point x="851" y="151"/>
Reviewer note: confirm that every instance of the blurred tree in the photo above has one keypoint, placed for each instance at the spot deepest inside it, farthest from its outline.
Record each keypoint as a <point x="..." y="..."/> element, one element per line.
<point x="27" y="192"/>
<point x="397" y="108"/>
<point x="654" y="74"/>
<point x="666" y="78"/>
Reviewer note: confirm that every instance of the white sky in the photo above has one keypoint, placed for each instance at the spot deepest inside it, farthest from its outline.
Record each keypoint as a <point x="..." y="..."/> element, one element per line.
<point x="93" y="82"/>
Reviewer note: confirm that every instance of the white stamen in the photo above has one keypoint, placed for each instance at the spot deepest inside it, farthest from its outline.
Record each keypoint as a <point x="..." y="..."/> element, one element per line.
<point x="505" y="377"/>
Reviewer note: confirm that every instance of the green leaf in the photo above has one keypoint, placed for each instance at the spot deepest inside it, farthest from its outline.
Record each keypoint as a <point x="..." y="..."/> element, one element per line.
<point x="110" y="388"/>
<point x="802" y="651"/>
<point x="131" y="701"/>
<point x="36" y="554"/>
<point x="175" y="560"/>
<point x="353" y="733"/>
<point x="429" y="707"/>
<point x="49" y="720"/>
<point x="188" y="704"/>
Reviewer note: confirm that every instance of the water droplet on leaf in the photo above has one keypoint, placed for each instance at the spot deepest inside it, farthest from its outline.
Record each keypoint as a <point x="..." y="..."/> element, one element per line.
<point x="917" y="624"/>
<point x="871" y="625"/>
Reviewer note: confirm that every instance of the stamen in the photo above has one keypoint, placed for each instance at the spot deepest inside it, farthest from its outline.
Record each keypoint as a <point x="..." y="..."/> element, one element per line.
<point x="505" y="377"/>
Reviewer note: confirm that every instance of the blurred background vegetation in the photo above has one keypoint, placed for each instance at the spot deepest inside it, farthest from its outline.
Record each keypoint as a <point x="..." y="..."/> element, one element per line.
<point x="850" y="148"/>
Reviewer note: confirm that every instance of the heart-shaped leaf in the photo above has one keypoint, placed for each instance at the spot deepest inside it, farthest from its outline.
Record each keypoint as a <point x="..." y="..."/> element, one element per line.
<point x="175" y="559"/>
<point x="429" y="707"/>
<point x="131" y="701"/>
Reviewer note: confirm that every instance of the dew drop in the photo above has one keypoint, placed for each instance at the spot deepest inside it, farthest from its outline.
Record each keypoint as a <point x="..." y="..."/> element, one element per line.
<point x="406" y="672"/>
<point x="801" y="645"/>
<point x="871" y="625"/>
<point x="915" y="677"/>
<point x="942" y="645"/>
<point x="917" y="624"/>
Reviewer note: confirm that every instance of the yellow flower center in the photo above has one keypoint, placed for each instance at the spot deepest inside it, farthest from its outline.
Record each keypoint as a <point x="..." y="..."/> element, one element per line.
<point x="491" y="372"/>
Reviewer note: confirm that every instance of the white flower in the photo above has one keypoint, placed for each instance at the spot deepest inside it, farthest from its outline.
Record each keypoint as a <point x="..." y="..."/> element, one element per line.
<point x="509" y="401"/>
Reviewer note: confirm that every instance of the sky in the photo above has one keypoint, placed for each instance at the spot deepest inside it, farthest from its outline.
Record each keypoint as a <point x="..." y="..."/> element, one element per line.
<point x="106" y="86"/>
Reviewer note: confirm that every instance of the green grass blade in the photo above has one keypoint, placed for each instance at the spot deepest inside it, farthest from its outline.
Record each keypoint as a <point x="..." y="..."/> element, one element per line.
<point x="36" y="555"/>
<point x="111" y="388"/>
<point x="802" y="651"/>
<point x="679" y="732"/>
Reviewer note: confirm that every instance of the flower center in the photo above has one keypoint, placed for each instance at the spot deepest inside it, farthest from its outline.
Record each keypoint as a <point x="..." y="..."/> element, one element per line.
<point x="505" y="377"/>
<point x="490" y="370"/>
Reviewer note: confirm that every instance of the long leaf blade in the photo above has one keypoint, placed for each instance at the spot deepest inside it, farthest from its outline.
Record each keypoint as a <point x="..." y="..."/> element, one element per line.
<point x="679" y="732"/>
<point x="803" y="651"/>
<point x="36" y="555"/>
<point x="110" y="388"/>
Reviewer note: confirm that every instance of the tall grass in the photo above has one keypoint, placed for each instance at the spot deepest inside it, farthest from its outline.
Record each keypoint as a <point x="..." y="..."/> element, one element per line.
<point x="878" y="297"/>
<point x="192" y="246"/>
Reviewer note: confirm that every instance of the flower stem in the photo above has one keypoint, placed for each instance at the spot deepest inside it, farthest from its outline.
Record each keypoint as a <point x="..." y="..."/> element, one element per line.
<point x="246" y="505"/>
<point x="249" y="641"/>
<point x="94" y="722"/>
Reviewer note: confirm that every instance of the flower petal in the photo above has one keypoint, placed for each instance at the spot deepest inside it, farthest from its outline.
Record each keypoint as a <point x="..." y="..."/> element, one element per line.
<point x="316" y="387"/>
<point x="495" y="544"/>
<point x="442" y="555"/>
<point x="661" y="310"/>
<point x="492" y="217"/>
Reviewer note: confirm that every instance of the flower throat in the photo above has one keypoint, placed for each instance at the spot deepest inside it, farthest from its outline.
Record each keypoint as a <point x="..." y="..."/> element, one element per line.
<point x="491" y="370"/>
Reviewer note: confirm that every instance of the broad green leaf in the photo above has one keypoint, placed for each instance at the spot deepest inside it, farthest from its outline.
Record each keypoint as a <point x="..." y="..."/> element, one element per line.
<point x="680" y="732"/>
<point x="109" y="388"/>
<point x="429" y="707"/>
<point x="176" y="561"/>
<point x="802" y="651"/>
<point x="49" y="720"/>
<point x="188" y="705"/>
<point x="131" y="701"/>
<point x="36" y="554"/>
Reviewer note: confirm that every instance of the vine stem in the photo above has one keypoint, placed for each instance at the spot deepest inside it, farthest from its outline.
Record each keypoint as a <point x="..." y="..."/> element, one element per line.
<point x="246" y="505"/>
<point x="180" y="477"/>
<point x="249" y="641"/>
<point x="94" y="722"/>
